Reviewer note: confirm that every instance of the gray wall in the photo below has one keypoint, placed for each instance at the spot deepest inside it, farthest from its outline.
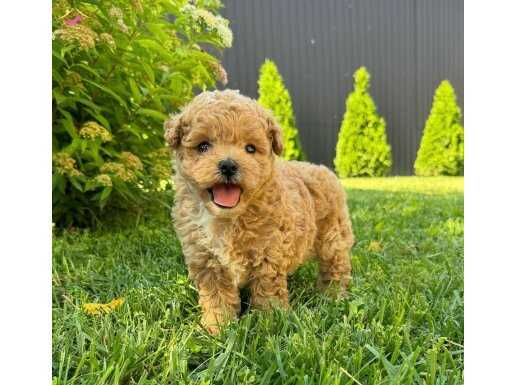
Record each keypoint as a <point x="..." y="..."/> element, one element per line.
<point x="408" y="46"/>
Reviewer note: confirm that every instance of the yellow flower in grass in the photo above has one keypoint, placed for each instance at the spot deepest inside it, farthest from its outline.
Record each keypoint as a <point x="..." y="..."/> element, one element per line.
<point x="375" y="246"/>
<point x="65" y="165"/>
<point x="102" y="308"/>
<point x="93" y="130"/>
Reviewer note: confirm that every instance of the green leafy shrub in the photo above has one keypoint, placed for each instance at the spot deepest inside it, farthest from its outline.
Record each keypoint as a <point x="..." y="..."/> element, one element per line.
<point x="441" y="148"/>
<point x="274" y="96"/>
<point x="118" y="68"/>
<point x="362" y="148"/>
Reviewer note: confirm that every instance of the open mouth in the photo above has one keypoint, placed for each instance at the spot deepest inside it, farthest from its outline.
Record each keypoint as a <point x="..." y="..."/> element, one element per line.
<point x="225" y="195"/>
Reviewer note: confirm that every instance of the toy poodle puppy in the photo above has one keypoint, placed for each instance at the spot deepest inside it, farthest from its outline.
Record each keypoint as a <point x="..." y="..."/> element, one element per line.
<point x="245" y="217"/>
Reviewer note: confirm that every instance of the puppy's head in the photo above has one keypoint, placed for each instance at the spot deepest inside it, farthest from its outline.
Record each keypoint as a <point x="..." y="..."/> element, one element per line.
<point x="225" y="145"/>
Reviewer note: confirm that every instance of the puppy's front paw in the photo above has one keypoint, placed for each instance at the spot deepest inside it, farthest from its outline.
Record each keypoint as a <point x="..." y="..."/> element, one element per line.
<point x="213" y="323"/>
<point x="210" y="324"/>
<point x="212" y="329"/>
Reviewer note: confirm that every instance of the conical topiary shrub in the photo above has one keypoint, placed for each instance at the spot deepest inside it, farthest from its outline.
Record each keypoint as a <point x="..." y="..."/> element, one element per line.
<point x="362" y="148"/>
<point x="441" y="148"/>
<point x="274" y="96"/>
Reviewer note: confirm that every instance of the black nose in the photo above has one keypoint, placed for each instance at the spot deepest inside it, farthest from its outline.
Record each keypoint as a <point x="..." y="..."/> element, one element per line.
<point x="228" y="167"/>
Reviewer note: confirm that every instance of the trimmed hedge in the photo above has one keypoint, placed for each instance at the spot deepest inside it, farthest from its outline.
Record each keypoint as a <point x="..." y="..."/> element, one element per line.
<point x="441" y="149"/>
<point x="274" y="96"/>
<point x="362" y="148"/>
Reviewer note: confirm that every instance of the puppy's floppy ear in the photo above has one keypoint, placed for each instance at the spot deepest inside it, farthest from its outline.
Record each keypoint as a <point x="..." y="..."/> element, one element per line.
<point x="173" y="131"/>
<point x="275" y="135"/>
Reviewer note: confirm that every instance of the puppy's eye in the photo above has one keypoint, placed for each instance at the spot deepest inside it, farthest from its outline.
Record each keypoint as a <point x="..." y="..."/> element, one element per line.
<point x="203" y="147"/>
<point x="250" y="148"/>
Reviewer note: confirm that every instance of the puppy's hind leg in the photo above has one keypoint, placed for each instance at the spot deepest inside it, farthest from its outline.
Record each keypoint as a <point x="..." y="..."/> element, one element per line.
<point x="333" y="245"/>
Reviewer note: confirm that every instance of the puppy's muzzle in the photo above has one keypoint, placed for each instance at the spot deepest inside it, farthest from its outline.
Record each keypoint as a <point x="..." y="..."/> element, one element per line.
<point x="228" y="168"/>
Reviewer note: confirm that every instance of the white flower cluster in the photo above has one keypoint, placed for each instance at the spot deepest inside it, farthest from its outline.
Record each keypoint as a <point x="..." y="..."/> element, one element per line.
<point x="213" y="23"/>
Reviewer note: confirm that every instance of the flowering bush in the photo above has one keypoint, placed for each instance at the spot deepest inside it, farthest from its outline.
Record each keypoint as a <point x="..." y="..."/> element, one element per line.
<point x="274" y="96"/>
<point x="362" y="148"/>
<point x="441" y="149"/>
<point x="118" y="68"/>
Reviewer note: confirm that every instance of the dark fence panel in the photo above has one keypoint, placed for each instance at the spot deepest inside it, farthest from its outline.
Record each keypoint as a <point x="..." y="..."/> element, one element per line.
<point x="408" y="46"/>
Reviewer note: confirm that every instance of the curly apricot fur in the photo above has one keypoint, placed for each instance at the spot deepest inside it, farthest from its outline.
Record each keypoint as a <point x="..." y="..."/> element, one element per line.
<point x="287" y="213"/>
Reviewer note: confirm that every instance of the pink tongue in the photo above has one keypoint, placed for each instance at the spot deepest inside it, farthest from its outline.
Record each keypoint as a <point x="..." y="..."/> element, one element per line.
<point x="226" y="195"/>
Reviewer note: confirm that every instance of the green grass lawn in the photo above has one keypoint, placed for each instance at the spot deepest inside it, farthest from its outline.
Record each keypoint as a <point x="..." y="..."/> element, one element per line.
<point x="403" y="323"/>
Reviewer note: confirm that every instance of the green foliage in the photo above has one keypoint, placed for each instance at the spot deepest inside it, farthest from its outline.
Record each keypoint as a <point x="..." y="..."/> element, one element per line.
<point x="362" y="148"/>
<point x="274" y="96"/>
<point x="441" y="150"/>
<point x="118" y="68"/>
<point x="402" y="323"/>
